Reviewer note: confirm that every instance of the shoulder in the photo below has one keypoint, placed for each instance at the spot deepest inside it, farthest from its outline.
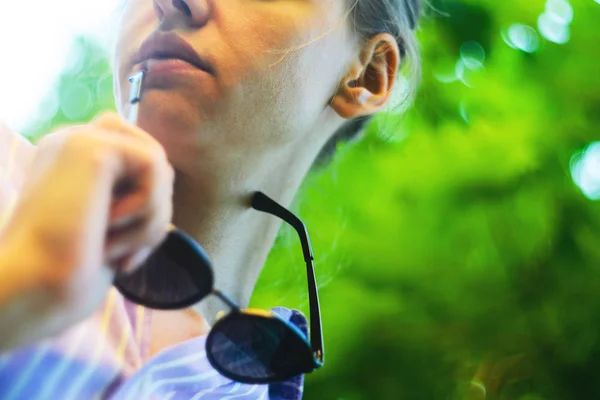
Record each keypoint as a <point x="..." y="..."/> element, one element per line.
<point x="295" y="317"/>
<point x="293" y="388"/>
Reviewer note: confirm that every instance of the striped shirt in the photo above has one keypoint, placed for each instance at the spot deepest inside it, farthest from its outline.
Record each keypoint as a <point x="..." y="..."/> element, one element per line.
<point x="107" y="356"/>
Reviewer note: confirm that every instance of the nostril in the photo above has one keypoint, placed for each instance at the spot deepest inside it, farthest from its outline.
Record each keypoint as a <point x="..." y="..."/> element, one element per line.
<point x="183" y="7"/>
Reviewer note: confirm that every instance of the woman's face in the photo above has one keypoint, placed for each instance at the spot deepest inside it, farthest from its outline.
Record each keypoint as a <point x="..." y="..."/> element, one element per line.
<point x="273" y="66"/>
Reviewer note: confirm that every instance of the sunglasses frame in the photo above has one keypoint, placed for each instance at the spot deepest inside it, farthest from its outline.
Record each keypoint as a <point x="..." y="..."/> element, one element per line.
<point x="199" y="252"/>
<point x="307" y="366"/>
<point x="260" y="202"/>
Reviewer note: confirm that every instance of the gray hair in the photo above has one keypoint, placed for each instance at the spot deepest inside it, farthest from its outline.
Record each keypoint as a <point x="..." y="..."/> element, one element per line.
<point x="369" y="18"/>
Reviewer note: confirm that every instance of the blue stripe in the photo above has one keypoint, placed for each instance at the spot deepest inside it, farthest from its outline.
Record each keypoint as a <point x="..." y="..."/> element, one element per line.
<point x="31" y="364"/>
<point x="51" y="381"/>
<point x="181" y="372"/>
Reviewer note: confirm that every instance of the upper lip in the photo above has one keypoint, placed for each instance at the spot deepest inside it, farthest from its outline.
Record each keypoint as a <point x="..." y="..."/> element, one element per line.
<point x="170" y="45"/>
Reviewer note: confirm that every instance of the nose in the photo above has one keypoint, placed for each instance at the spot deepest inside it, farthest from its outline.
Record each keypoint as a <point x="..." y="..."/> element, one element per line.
<point x="182" y="13"/>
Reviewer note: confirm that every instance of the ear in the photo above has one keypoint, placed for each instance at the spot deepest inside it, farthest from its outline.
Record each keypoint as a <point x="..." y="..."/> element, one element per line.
<point x="366" y="88"/>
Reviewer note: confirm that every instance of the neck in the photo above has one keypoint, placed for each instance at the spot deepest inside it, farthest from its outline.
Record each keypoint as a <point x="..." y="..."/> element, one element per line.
<point x="236" y="237"/>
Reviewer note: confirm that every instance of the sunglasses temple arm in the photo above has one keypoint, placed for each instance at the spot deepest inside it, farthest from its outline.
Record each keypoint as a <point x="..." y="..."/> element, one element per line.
<point x="316" y="331"/>
<point x="262" y="202"/>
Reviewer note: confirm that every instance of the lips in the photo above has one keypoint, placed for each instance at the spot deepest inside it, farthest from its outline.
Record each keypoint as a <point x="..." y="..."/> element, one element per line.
<point x="163" y="46"/>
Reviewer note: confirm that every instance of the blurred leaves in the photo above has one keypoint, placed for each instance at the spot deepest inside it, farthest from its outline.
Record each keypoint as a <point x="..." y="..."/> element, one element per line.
<point x="84" y="89"/>
<point x="453" y="234"/>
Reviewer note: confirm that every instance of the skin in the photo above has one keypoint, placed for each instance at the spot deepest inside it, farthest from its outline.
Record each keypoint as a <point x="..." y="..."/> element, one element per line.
<point x="58" y="260"/>
<point x="287" y="74"/>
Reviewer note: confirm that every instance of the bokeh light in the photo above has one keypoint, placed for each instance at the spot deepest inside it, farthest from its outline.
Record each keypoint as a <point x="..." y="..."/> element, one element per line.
<point x="522" y="37"/>
<point x="445" y="72"/>
<point x="76" y="101"/>
<point x="443" y="235"/>
<point x="552" y="29"/>
<point x="472" y="54"/>
<point x="468" y="71"/>
<point x="40" y="46"/>
<point x="554" y="22"/>
<point x="462" y="109"/>
<point x="585" y="170"/>
<point x="559" y="10"/>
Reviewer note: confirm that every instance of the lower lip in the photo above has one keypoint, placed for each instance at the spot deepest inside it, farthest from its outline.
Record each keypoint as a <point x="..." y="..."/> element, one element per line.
<point x="171" y="66"/>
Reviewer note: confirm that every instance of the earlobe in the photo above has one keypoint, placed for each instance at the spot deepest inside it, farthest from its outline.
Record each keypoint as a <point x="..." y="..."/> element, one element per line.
<point x="356" y="102"/>
<point x="366" y="89"/>
<point x="343" y="105"/>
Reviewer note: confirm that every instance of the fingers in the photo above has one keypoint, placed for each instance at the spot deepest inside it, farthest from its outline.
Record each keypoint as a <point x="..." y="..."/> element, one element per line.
<point x="162" y="171"/>
<point x="115" y="123"/>
<point x="131" y="168"/>
<point x="130" y="248"/>
<point x="141" y="217"/>
<point x="142" y="210"/>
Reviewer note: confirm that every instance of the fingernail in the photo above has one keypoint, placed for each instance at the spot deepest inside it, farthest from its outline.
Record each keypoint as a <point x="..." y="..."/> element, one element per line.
<point x="137" y="259"/>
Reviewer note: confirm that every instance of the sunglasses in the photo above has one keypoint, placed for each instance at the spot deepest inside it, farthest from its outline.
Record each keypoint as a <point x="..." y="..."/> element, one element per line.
<point x="248" y="346"/>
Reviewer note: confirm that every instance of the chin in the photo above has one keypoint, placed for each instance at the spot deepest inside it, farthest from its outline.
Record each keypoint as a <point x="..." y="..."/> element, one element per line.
<point x="175" y="119"/>
<point x="177" y="133"/>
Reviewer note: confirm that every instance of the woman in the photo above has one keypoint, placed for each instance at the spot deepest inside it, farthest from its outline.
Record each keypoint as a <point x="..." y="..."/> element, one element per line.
<point x="264" y="88"/>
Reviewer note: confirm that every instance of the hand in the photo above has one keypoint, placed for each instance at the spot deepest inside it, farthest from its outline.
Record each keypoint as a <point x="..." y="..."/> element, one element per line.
<point x="97" y="198"/>
<point x="16" y="155"/>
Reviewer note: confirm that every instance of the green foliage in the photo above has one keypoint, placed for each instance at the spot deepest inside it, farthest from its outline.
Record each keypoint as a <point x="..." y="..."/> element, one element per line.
<point x="455" y="231"/>
<point x="84" y="89"/>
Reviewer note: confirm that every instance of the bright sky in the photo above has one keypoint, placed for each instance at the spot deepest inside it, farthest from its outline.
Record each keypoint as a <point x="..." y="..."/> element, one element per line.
<point x="35" y="38"/>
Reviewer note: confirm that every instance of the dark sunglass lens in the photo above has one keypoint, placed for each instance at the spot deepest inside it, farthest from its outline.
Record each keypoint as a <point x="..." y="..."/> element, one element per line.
<point x="255" y="348"/>
<point x="177" y="275"/>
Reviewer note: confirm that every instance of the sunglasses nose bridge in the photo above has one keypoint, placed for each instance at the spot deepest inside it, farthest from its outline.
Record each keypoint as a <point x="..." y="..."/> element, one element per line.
<point x="226" y="299"/>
